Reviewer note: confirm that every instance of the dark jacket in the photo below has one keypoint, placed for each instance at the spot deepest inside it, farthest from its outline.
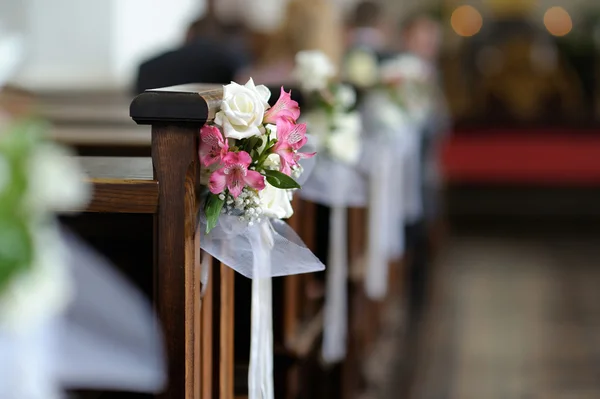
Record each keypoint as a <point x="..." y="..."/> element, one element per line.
<point x="201" y="61"/>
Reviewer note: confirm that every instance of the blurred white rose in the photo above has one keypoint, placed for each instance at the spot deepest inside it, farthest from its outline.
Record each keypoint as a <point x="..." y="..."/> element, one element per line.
<point x="56" y="182"/>
<point x="317" y="126"/>
<point x="345" y="96"/>
<point x="242" y="110"/>
<point x="313" y="70"/>
<point x="405" y="67"/>
<point x="275" y="202"/>
<point x="344" y="141"/>
<point x="361" y="68"/>
<point x="272" y="162"/>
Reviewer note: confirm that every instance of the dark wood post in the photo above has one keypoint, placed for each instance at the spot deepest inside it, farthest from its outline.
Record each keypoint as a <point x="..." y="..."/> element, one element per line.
<point x="176" y="115"/>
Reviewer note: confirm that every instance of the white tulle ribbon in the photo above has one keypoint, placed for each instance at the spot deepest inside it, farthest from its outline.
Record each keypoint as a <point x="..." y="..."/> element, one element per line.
<point x="335" y="328"/>
<point x="106" y="338"/>
<point x="333" y="183"/>
<point x="388" y="147"/>
<point x="260" y="375"/>
<point x="339" y="186"/>
<point x="267" y="249"/>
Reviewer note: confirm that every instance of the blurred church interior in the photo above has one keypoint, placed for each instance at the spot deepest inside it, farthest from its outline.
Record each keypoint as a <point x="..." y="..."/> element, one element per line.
<point x="513" y="304"/>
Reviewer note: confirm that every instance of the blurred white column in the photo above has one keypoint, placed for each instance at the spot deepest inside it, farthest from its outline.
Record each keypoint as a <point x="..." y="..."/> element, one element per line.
<point x="96" y="44"/>
<point x="141" y="28"/>
<point x="264" y="15"/>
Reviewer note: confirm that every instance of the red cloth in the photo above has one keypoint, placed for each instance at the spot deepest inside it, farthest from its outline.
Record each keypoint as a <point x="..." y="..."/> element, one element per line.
<point x="527" y="157"/>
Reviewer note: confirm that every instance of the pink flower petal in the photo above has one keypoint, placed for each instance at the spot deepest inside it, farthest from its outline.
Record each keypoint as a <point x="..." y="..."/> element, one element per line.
<point x="285" y="167"/>
<point x="255" y="180"/>
<point x="244" y="158"/>
<point x="235" y="185"/>
<point x="217" y="182"/>
<point x="212" y="145"/>
<point x="284" y="108"/>
<point x="297" y="136"/>
<point x="305" y="155"/>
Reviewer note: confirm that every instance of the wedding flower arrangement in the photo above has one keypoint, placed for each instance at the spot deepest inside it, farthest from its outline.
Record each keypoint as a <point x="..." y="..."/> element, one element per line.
<point x="250" y="164"/>
<point x="37" y="179"/>
<point x="332" y="121"/>
<point x="251" y="155"/>
<point x="409" y="82"/>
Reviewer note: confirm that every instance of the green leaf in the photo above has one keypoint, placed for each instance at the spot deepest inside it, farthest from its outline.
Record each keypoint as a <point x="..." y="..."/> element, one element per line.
<point x="213" y="210"/>
<point x="280" y="180"/>
<point x="16" y="248"/>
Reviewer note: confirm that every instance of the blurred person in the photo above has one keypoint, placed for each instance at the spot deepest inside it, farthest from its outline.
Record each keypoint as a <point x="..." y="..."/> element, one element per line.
<point x="365" y="27"/>
<point x="366" y="45"/>
<point x="204" y="57"/>
<point x="307" y="25"/>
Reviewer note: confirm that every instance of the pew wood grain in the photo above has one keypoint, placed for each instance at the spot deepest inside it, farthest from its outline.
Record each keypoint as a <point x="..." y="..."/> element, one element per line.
<point x="121" y="184"/>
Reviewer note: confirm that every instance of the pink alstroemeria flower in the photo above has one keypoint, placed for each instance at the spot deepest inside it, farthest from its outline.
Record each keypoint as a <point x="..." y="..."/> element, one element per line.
<point x="284" y="108"/>
<point x="213" y="147"/>
<point x="290" y="138"/>
<point x="235" y="175"/>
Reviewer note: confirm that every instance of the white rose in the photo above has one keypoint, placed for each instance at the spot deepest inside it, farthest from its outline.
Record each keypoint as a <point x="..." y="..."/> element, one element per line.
<point x="275" y="202"/>
<point x="317" y="124"/>
<point x="313" y="70"/>
<point x="242" y="110"/>
<point x="344" y="141"/>
<point x="272" y="162"/>
<point x="56" y="181"/>
<point x="345" y="96"/>
<point x="361" y="69"/>
<point x="406" y="67"/>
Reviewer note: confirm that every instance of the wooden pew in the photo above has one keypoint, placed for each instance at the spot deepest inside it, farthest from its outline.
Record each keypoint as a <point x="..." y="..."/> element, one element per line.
<point x="165" y="187"/>
<point x="205" y="336"/>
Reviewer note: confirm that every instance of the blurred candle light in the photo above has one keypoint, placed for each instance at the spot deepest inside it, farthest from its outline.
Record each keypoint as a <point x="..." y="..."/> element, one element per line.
<point x="466" y="21"/>
<point x="558" y="21"/>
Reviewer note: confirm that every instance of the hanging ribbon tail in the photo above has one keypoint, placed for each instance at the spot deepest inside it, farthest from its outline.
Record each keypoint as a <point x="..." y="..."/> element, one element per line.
<point x="413" y="209"/>
<point x="379" y="227"/>
<point x="109" y="337"/>
<point x="260" y="375"/>
<point x="336" y="313"/>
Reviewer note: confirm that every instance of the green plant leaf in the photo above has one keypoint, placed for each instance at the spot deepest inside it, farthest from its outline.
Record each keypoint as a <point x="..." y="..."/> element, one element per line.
<point x="213" y="210"/>
<point x="280" y="180"/>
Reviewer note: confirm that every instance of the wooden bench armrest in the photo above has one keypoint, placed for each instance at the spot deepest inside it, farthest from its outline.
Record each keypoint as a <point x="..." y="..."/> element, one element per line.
<point x="76" y="136"/>
<point x="185" y="104"/>
<point x="121" y="184"/>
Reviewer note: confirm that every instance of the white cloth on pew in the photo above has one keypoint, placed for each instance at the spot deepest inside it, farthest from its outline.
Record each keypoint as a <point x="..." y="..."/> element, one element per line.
<point x="389" y="146"/>
<point x="107" y="338"/>
<point x="334" y="183"/>
<point x="335" y="322"/>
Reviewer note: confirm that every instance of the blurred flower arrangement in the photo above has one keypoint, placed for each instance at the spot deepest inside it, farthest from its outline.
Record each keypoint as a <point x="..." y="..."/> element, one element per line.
<point x="251" y="155"/>
<point x="333" y="123"/>
<point x="37" y="179"/>
<point x="410" y="83"/>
